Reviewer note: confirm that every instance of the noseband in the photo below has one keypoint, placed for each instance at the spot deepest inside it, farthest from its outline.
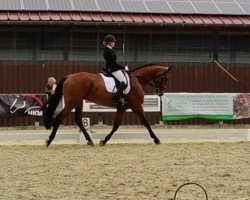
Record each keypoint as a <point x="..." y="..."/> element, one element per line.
<point x="159" y="87"/>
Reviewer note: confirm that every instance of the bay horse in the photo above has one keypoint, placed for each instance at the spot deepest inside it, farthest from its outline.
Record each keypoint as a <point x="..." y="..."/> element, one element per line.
<point x="83" y="85"/>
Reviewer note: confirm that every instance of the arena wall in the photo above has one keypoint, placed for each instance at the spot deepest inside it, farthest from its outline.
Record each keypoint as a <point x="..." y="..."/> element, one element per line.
<point x="31" y="77"/>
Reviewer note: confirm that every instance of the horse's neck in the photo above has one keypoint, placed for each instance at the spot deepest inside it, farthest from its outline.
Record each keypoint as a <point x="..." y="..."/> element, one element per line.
<point x="144" y="75"/>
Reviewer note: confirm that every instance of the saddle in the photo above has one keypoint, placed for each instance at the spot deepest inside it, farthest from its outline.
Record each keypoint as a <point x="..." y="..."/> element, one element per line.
<point x="111" y="83"/>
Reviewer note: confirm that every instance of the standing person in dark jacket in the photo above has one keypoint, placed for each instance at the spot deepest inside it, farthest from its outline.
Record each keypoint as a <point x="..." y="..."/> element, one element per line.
<point x="114" y="68"/>
<point x="51" y="86"/>
<point x="50" y="90"/>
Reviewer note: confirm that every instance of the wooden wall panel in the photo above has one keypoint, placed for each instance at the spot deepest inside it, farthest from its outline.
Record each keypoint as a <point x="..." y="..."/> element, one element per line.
<point x="31" y="77"/>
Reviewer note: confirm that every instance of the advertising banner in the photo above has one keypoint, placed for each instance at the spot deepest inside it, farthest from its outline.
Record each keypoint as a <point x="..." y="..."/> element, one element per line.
<point x="151" y="104"/>
<point x="32" y="105"/>
<point x="22" y="104"/>
<point x="219" y="106"/>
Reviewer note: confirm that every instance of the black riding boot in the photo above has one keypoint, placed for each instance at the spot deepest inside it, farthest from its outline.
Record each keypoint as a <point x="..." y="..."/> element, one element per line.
<point x="119" y="94"/>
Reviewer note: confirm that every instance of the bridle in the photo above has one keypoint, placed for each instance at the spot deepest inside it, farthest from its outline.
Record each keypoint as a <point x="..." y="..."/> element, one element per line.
<point x="159" y="87"/>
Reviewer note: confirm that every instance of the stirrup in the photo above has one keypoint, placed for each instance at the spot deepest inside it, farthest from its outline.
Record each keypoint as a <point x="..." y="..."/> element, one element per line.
<point x="121" y="101"/>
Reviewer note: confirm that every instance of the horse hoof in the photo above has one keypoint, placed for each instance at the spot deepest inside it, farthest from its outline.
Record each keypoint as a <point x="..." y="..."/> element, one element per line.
<point x="47" y="143"/>
<point x="101" y="143"/>
<point x="91" y="143"/>
<point x="157" y="141"/>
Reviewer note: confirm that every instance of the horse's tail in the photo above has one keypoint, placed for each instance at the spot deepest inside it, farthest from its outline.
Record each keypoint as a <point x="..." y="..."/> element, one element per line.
<point x="52" y="104"/>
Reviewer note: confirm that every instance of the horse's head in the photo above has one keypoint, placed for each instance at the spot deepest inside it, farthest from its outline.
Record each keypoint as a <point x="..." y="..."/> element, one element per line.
<point x="159" y="79"/>
<point x="154" y="75"/>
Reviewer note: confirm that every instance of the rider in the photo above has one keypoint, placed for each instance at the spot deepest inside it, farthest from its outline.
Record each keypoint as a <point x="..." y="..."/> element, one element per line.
<point x="114" y="68"/>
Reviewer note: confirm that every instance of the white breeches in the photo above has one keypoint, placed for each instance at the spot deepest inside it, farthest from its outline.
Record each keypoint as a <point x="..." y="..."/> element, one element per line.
<point x="120" y="76"/>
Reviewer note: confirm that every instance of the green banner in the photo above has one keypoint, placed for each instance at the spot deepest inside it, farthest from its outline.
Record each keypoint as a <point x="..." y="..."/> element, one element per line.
<point x="217" y="106"/>
<point x="182" y="117"/>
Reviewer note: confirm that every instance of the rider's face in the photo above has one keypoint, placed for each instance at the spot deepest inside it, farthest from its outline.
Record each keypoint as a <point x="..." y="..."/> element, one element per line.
<point x="112" y="44"/>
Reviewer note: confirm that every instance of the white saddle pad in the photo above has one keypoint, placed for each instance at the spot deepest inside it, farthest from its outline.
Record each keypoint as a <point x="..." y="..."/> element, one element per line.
<point x="110" y="84"/>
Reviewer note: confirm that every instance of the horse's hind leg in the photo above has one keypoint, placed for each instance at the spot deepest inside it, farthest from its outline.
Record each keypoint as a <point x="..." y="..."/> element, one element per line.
<point x="118" y="119"/>
<point x="59" y="118"/>
<point x="140" y="113"/>
<point x="78" y="120"/>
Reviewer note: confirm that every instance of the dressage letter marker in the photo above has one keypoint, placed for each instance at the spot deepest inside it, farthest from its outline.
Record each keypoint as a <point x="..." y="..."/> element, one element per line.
<point x="86" y="124"/>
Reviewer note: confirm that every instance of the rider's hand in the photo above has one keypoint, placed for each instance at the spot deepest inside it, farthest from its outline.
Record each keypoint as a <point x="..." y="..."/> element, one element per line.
<point x="126" y="68"/>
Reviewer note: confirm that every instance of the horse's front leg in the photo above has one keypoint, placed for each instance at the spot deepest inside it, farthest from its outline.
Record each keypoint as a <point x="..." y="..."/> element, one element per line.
<point x="140" y="113"/>
<point x="118" y="119"/>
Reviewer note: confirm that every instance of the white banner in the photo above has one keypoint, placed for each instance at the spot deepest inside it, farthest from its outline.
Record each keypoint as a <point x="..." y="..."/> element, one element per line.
<point x="151" y="104"/>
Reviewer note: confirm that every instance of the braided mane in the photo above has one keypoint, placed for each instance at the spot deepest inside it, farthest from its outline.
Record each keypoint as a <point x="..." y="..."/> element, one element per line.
<point x="146" y="65"/>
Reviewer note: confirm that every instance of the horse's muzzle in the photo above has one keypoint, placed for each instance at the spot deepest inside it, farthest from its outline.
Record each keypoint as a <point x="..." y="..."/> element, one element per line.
<point x="159" y="92"/>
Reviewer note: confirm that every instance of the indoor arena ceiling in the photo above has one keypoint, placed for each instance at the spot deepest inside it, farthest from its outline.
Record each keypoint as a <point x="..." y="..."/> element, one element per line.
<point x="227" y="7"/>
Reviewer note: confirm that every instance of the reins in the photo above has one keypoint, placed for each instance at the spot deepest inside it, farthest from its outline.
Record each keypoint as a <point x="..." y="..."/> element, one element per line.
<point x="151" y="83"/>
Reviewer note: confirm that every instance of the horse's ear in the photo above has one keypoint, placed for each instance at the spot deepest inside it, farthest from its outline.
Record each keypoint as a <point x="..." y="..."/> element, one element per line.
<point x="169" y="68"/>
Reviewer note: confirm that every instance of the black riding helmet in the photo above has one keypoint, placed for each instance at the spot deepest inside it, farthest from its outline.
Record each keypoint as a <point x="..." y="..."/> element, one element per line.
<point x="109" y="38"/>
